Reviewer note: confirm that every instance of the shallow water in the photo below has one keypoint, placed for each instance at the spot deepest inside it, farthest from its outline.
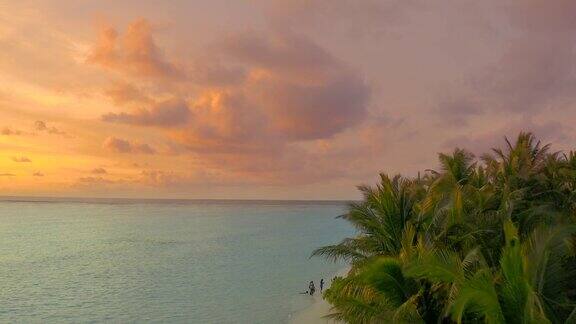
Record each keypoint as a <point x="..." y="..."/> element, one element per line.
<point x="162" y="261"/>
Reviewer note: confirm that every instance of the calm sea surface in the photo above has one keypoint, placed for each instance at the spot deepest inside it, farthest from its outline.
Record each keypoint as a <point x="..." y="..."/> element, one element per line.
<point x="162" y="261"/>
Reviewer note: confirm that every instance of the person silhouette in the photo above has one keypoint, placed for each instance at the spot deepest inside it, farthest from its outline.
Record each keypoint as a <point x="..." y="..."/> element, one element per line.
<point x="311" y="288"/>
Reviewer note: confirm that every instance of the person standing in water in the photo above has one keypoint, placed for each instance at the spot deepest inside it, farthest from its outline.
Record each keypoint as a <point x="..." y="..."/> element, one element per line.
<point x="321" y="284"/>
<point x="311" y="288"/>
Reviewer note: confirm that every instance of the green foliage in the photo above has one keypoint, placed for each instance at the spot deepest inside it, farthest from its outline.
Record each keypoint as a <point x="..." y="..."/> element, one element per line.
<point x="479" y="241"/>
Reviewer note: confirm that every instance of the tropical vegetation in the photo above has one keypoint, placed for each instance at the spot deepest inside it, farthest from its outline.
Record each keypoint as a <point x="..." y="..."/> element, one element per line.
<point x="480" y="240"/>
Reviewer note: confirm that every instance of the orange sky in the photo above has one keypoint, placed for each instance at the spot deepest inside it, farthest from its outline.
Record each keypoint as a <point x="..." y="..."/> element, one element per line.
<point x="269" y="99"/>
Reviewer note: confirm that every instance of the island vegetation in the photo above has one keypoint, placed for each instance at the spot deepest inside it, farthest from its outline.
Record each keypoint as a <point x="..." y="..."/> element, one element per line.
<point x="480" y="240"/>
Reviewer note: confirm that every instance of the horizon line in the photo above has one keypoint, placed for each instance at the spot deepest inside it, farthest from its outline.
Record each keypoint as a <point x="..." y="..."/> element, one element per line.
<point x="10" y="198"/>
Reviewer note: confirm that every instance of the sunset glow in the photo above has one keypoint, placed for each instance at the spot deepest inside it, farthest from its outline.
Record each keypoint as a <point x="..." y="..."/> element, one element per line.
<point x="269" y="99"/>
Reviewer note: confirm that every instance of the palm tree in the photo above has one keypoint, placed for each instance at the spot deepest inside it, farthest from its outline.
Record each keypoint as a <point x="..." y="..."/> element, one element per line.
<point x="526" y="287"/>
<point x="380" y="219"/>
<point x="489" y="241"/>
<point x="378" y="293"/>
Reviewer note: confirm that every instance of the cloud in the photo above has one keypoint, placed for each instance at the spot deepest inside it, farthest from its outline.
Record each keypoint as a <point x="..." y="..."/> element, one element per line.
<point x="293" y="100"/>
<point x="7" y="175"/>
<point x="254" y="97"/>
<point x="299" y="90"/>
<point x="534" y="73"/>
<point x="122" y="93"/>
<point x="211" y="72"/>
<point x="535" y="70"/>
<point x="457" y="111"/>
<point x="304" y="112"/>
<point x="41" y="126"/>
<point x="92" y="181"/>
<point x="21" y="159"/>
<point x="135" y="52"/>
<point x="119" y="145"/>
<point x="225" y="122"/>
<point x="99" y="171"/>
<point x="143" y="148"/>
<point x="284" y="54"/>
<point x="296" y="87"/>
<point x="538" y="16"/>
<point x="166" y="114"/>
<point x="7" y="131"/>
<point x="38" y="174"/>
<point x="268" y="90"/>
<point x="367" y="18"/>
<point x="163" y="178"/>
<point x="256" y="103"/>
<point x="551" y="131"/>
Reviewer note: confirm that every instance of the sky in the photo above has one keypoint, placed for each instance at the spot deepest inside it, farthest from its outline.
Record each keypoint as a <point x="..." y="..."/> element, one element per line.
<point x="270" y="99"/>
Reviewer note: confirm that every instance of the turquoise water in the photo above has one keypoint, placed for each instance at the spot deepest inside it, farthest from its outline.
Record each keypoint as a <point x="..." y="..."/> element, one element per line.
<point x="154" y="261"/>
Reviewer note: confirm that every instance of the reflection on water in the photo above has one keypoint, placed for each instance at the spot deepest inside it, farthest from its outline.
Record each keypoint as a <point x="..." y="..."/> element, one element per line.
<point x="161" y="261"/>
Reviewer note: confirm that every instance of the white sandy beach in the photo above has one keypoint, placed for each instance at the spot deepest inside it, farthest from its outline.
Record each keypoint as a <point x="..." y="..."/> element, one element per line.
<point x="319" y="308"/>
<point x="314" y="313"/>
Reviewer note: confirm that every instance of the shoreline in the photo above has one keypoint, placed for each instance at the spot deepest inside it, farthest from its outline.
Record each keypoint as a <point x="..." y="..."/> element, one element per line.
<point x="315" y="312"/>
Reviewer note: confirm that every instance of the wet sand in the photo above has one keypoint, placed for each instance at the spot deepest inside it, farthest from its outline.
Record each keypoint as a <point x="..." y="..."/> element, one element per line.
<point x="314" y="314"/>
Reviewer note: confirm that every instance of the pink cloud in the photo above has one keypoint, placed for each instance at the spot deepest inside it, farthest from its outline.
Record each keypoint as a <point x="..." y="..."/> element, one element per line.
<point x="534" y="71"/>
<point x="365" y="18"/>
<point x="284" y="54"/>
<point x="135" y="53"/>
<point x="123" y="93"/>
<point x="286" y="89"/>
<point x="299" y="92"/>
<point x="293" y="99"/>
<point x="166" y="114"/>
<point x="304" y="112"/>
<point x="548" y="132"/>
<point x="210" y="71"/>
<point x="226" y="122"/>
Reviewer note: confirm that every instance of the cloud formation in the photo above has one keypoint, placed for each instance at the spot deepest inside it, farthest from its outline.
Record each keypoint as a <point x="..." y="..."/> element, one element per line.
<point x="275" y="89"/>
<point x="38" y="127"/>
<point x="305" y="112"/>
<point x="99" y="171"/>
<point x="166" y="114"/>
<point x="7" y="131"/>
<point x="135" y="52"/>
<point x="296" y="91"/>
<point x="89" y="182"/>
<point x="367" y="18"/>
<point x="211" y="72"/>
<point x="21" y="159"/>
<point x="534" y="71"/>
<point x="41" y="126"/>
<point x="119" y="145"/>
<point x="123" y="93"/>
<point x="548" y="132"/>
<point x="287" y="93"/>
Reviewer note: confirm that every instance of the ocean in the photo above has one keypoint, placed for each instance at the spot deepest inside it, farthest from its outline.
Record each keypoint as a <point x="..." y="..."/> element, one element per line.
<point x="155" y="261"/>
